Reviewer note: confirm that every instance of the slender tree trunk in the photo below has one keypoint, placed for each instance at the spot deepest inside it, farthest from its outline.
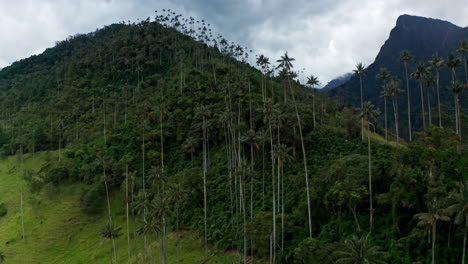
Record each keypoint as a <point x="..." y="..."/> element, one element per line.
<point x="433" y="242"/>
<point x="464" y="240"/>
<point x="304" y="156"/>
<point x="273" y="193"/>
<point x="429" y="110"/>
<point x="204" y="188"/>
<point x="466" y="69"/>
<point x="313" y="105"/>
<point x="422" y="106"/>
<point x="409" y="101"/>
<point x="127" y="201"/>
<point x="109" y="212"/>
<point x="362" y="103"/>
<point x="21" y="193"/>
<point x="386" y="131"/>
<point x="371" y="209"/>
<point x="438" y="97"/>
<point x="395" y="113"/>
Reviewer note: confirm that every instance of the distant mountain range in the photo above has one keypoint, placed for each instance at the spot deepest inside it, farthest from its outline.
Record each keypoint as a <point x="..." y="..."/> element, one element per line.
<point x="336" y="82"/>
<point x="424" y="38"/>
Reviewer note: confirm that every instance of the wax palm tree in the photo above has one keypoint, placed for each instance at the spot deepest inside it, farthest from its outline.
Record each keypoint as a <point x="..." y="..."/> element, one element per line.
<point x="204" y="113"/>
<point x="434" y="215"/>
<point x="110" y="232"/>
<point x="459" y="207"/>
<point x="385" y="75"/>
<point x="452" y="63"/>
<point x="438" y="63"/>
<point x="419" y="74"/>
<point x="368" y="113"/>
<point x="463" y="50"/>
<point x="361" y="71"/>
<point x="282" y="154"/>
<point x="103" y="161"/>
<point x="313" y="81"/>
<point x="394" y="90"/>
<point x="285" y="64"/>
<point x="428" y="84"/>
<point x="359" y="250"/>
<point x="385" y="94"/>
<point x="457" y="88"/>
<point x="406" y="57"/>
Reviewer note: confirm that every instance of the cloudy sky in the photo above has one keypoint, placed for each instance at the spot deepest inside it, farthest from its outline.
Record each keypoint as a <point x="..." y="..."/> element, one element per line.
<point x="327" y="37"/>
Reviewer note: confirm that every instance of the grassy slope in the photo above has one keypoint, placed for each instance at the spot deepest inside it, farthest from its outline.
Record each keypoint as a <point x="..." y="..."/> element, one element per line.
<point x="57" y="232"/>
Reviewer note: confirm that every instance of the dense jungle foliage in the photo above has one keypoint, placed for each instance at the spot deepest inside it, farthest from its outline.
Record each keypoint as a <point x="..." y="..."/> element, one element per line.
<point x="193" y="137"/>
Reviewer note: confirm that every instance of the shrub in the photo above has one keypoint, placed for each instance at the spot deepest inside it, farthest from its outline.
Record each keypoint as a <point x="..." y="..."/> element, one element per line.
<point x="3" y="210"/>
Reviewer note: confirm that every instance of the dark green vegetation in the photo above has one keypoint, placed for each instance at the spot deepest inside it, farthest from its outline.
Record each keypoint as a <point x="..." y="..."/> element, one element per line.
<point x="425" y="39"/>
<point x="189" y="136"/>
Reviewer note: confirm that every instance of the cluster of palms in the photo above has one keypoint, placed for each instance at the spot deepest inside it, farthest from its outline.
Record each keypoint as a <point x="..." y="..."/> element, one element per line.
<point x="428" y="78"/>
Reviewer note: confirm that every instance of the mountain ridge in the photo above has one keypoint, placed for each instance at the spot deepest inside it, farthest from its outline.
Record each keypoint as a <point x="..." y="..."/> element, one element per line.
<point x="424" y="38"/>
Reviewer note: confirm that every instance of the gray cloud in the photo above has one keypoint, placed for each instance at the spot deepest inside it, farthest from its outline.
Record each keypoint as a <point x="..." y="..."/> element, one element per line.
<point x="327" y="37"/>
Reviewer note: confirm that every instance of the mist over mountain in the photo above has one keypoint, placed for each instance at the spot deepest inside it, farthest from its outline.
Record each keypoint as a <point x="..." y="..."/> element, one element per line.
<point x="336" y="82"/>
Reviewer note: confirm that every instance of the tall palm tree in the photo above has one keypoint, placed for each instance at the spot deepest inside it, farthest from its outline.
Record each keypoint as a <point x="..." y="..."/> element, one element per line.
<point x="434" y="215"/>
<point x="359" y="250"/>
<point x="406" y="57"/>
<point x="457" y="88"/>
<point x="394" y="90"/>
<point x="384" y="74"/>
<point x="102" y="160"/>
<point x="459" y="207"/>
<point x="463" y="50"/>
<point x="282" y="154"/>
<point x="419" y="74"/>
<point x="452" y="63"/>
<point x="285" y="64"/>
<point x="428" y="83"/>
<point x="109" y="231"/>
<point x="385" y="94"/>
<point x="438" y="63"/>
<point x="204" y="113"/>
<point x="361" y="71"/>
<point x="313" y="81"/>
<point x="368" y="113"/>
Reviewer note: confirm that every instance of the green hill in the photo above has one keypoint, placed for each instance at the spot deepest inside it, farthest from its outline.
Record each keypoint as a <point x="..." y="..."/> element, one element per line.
<point x="173" y="122"/>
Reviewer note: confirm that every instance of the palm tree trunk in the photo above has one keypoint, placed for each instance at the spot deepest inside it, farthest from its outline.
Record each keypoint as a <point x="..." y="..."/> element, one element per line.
<point x="204" y="187"/>
<point x="362" y="103"/>
<point x="466" y="69"/>
<point x="21" y="192"/>
<point x="313" y="105"/>
<point x="433" y="241"/>
<point x="429" y="110"/>
<point x="304" y="156"/>
<point x="395" y="113"/>
<point x="127" y="200"/>
<point x="438" y="98"/>
<point x="422" y="107"/>
<point x="371" y="209"/>
<point x="464" y="240"/>
<point x="386" y="131"/>
<point x="409" y="103"/>
<point x="109" y="212"/>
<point x="273" y="239"/>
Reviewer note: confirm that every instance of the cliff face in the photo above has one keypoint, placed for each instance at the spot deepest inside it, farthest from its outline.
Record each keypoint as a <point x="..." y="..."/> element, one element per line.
<point x="424" y="38"/>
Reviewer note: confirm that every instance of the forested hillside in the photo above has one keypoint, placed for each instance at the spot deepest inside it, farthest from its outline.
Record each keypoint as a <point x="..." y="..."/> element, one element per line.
<point x="169" y="128"/>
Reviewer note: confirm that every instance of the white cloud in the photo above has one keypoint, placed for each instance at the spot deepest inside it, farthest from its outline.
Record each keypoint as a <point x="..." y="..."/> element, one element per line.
<point x="327" y="37"/>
